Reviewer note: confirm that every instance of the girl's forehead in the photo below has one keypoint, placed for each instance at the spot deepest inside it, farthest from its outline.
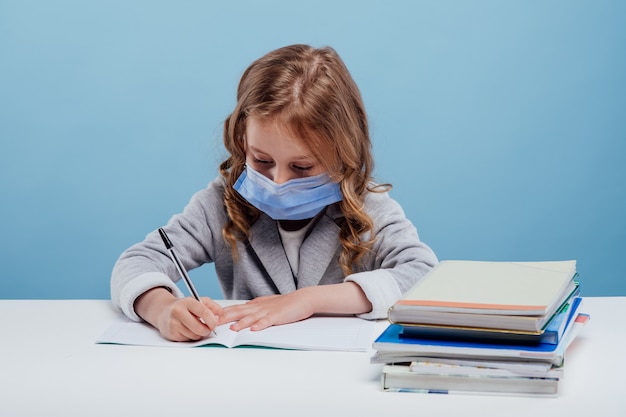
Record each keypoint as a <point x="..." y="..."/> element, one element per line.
<point x="272" y="137"/>
<point x="274" y="124"/>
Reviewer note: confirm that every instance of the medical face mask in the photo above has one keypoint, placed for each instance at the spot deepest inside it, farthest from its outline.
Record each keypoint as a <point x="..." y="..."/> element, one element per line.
<point x="297" y="199"/>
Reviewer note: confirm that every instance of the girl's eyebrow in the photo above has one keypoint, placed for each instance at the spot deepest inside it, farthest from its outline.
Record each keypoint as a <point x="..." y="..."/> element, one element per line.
<point x="298" y="158"/>
<point x="257" y="150"/>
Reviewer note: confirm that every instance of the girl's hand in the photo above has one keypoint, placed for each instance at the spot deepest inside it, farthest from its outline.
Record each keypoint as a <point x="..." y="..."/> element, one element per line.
<point x="271" y="310"/>
<point x="187" y="319"/>
<point x="178" y="319"/>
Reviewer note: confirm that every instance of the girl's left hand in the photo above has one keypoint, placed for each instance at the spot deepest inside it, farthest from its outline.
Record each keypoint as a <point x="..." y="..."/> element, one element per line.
<point x="266" y="311"/>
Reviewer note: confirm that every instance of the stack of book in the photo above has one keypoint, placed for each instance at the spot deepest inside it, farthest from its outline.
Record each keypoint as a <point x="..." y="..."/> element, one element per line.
<point x="489" y="327"/>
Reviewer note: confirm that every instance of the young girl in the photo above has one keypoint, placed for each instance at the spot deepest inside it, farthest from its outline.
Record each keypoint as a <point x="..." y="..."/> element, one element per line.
<point x="294" y="222"/>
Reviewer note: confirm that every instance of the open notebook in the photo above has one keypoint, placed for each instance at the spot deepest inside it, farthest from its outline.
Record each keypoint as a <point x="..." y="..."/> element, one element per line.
<point x="315" y="333"/>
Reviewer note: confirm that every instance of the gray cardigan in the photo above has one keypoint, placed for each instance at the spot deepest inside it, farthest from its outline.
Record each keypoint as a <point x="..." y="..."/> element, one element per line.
<point x="397" y="261"/>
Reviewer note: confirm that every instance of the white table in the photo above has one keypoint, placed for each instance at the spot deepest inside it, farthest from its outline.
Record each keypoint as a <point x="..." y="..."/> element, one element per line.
<point x="50" y="366"/>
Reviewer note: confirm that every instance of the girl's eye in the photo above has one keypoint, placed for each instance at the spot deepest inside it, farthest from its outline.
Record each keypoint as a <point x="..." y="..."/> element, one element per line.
<point x="303" y="168"/>
<point x="262" y="161"/>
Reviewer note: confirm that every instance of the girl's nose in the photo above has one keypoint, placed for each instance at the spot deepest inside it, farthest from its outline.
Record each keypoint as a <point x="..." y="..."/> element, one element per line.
<point x="281" y="175"/>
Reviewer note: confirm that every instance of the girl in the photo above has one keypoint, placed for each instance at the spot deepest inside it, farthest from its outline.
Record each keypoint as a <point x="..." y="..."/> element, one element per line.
<point x="294" y="222"/>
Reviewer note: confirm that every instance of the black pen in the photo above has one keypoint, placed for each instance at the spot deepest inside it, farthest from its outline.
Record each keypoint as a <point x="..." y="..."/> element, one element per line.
<point x="179" y="265"/>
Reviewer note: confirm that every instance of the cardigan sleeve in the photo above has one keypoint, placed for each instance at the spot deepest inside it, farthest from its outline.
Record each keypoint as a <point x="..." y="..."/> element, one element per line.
<point x="398" y="260"/>
<point x="146" y="265"/>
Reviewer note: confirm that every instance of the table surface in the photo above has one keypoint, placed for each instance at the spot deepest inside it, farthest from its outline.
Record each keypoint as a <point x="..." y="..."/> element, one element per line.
<point x="51" y="366"/>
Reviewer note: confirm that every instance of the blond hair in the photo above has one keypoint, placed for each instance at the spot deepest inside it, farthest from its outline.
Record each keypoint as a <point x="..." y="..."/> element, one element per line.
<point x="311" y="94"/>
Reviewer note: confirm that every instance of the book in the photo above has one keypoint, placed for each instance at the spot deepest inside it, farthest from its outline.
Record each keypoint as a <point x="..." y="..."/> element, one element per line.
<point x="515" y="367"/>
<point x="393" y="344"/>
<point x="523" y="288"/>
<point x="520" y="296"/>
<point x="551" y="333"/>
<point x="556" y="328"/>
<point x="340" y="333"/>
<point x="399" y="378"/>
<point x="485" y="368"/>
<point x="506" y="356"/>
<point x="512" y="323"/>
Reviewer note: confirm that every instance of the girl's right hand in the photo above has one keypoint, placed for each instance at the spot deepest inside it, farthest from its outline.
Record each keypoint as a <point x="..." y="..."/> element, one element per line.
<point x="187" y="319"/>
<point x="178" y="319"/>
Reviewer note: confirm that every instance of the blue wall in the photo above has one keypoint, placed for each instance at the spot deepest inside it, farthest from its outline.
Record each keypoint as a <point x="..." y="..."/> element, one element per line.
<point x="500" y="124"/>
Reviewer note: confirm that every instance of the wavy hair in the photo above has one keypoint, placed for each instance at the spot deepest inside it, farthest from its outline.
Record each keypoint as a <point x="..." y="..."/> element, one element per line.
<point x="311" y="94"/>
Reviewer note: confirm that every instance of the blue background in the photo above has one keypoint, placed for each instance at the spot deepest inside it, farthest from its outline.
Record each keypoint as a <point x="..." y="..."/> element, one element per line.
<point x="500" y="123"/>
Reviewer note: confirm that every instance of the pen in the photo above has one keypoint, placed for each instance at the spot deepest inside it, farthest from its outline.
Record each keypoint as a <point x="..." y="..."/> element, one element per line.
<point x="179" y="265"/>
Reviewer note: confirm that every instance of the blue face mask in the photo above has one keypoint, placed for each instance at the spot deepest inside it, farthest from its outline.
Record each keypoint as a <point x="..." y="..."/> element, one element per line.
<point x="297" y="199"/>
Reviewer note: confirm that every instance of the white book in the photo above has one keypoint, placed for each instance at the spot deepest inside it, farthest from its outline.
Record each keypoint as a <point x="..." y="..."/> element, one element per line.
<point x="340" y="333"/>
<point x="520" y="296"/>
<point x="399" y="378"/>
<point x="523" y="288"/>
<point x="443" y="367"/>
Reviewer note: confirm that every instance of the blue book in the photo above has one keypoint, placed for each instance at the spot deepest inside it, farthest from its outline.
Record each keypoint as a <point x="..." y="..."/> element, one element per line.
<point x="392" y="343"/>
<point x="556" y="328"/>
